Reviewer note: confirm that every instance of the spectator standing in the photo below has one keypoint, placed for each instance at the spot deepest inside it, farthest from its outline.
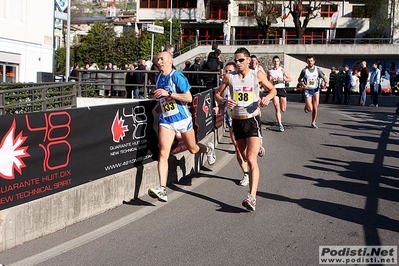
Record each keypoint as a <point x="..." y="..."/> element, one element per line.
<point x="331" y="85"/>
<point x="139" y="79"/>
<point x="339" y="85"/>
<point x="347" y="84"/>
<point x="310" y="81"/>
<point x="173" y="94"/>
<point x="109" y="66"/>
<point x="187" y="65"/>
<point x="212" y="64"/>
<point x="375" y="77"/>
<point x="278" y="76"/>
<point x="244" y="86"/>
<point x="364" y="76"/>
<point x="130" y="80"/>
<point x="392" y="77"/>
<point x="194" y="79"/>
<point x="74" y="73"/>
<point x="93" y="66"/>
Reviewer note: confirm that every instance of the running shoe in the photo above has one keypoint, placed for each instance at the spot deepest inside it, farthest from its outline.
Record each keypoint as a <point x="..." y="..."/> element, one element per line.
<point x="261" y="152"/>
<point x="158" y="193"/>
<point x="211" y="154"/>
<point x="249" y="203"/>
<point x="281" y="128"/>
<point x="314" y="125"/>
<point x="245" y="180"/>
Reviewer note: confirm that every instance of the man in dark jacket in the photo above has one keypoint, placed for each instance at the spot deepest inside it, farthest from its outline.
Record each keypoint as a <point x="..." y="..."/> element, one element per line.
<point x="347" y="84"/>
<point x="331" y="85"/>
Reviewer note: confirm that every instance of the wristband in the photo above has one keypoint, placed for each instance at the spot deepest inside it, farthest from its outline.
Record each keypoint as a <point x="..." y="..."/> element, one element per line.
<point x="170" y="93"/>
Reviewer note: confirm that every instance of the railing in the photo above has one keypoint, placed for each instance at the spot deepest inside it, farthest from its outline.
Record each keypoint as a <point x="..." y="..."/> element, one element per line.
<point x="34" y="97"/>
<point x="112" y="83"/>
<point x="27" y="98"/>
<point x="289" y="41"/>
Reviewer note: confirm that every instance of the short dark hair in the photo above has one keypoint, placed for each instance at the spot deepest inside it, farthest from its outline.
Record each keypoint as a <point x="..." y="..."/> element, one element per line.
<point x="243" y="50"/>
<point x="276" y="57"/>
<point x="309" y="56"/>
<point x="231" y="64"/>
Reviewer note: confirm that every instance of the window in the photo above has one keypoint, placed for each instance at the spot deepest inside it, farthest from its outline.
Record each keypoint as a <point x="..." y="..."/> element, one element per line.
<point x="167" y="3"/>
<point x="218" y="10"/>
<point x="328" y="10"/>
<point x="245" y="10"/>
<point x="361" y="12"/>
<point x="8" y="72"/>
<point x="248" y="33"/>
<point x="186" y="4"/>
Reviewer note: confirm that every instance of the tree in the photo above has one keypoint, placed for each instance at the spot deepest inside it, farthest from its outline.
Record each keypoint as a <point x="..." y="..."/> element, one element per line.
<point x="265" y="12"/>
<point x="98" y="45"/>
<point x="127" y="47"/>
<point x="307" y="10"/>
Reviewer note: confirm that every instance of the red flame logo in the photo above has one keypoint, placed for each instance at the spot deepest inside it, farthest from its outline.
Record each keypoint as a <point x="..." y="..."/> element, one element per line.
<point x="11" y="153"/>
<point x="118" y="129"/>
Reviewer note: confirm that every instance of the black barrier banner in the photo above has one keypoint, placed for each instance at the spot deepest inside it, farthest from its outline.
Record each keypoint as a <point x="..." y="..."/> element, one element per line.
<point x="219" y="117"/>
<point x="201" y="110"/>
<point x="47" y="152"/>
<point x="202" y="113"/>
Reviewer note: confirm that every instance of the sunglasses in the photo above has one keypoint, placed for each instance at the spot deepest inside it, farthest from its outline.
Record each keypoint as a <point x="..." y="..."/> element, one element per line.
<point x="239" y="60"/>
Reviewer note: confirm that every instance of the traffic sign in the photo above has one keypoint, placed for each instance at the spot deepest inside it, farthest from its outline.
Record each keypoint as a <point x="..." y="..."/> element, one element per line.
<point x="62" y="4"/>
<point x="155" y="28"/>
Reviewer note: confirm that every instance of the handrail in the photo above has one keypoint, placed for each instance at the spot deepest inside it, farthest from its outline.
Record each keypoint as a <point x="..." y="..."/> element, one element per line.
<point x="288" y="41"/>
<point x="36" y="97"/>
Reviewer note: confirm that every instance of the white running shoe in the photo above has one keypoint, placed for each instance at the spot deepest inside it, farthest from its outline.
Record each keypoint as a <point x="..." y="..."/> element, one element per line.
<point x="211" y="154"/>
<point x="245" y="180"/>
<point x="249" y="203"/>
<point x="261" y="152"/>
<point x="158" y="193"/>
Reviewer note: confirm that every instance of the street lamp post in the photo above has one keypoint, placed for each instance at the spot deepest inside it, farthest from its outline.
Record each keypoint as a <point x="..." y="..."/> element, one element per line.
<point x="170" y="34"/>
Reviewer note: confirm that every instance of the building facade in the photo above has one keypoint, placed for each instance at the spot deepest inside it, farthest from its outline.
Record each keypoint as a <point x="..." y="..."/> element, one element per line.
<point x="26" y="39"/>
<point x="227" y="20"/>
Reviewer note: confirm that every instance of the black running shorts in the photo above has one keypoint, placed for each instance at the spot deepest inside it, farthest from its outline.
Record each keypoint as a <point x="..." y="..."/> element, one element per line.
<point x="246" y="128"/>
<point x="281" y="92"/>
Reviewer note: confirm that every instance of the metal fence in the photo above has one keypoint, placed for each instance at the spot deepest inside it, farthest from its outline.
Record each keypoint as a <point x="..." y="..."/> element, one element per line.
<point x="33" y="97"/>
<point x="289" y="41"/>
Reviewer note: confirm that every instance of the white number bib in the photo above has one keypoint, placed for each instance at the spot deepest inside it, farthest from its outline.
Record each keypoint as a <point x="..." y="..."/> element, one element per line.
<point x="243" y="95"/>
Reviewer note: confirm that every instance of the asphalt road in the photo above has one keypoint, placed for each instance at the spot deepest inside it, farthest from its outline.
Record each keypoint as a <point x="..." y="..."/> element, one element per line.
<point x="336" y="185"/>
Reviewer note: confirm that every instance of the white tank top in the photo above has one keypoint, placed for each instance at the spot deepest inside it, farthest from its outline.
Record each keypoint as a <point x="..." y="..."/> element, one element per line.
<point x="245" y="92"/>
<point x="275" y="74"/>
<point x="311" y="79"/>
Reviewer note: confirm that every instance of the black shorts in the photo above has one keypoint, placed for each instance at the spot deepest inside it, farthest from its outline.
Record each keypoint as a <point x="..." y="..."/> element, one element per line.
<point x="246" y="128"/>
<point x="281" y="92"/>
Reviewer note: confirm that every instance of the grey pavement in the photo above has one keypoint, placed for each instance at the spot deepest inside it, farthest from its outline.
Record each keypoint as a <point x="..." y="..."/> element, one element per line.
<point x="336" y="185"/>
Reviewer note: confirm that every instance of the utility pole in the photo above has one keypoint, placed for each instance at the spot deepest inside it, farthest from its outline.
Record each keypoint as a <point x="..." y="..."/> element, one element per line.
<point x="170" y="37"/>
<point x="68" y="43"/>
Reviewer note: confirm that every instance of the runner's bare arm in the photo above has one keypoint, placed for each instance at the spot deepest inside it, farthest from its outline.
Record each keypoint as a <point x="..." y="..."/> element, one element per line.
<point x="184" y="97"/>
<point x="268" y="87"/>
<point x="219" y="93"/>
